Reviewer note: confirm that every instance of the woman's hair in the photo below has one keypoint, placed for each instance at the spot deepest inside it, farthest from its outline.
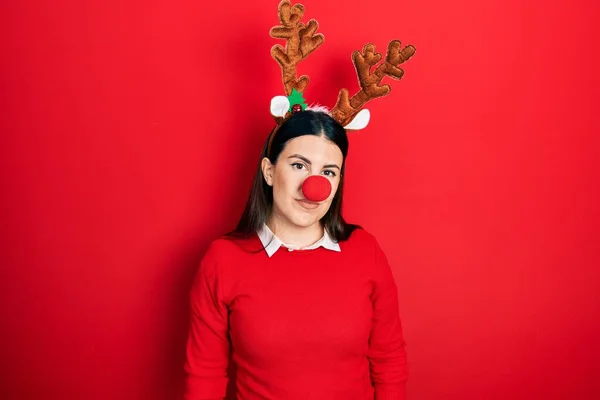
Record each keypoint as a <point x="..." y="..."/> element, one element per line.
<point x="260" y="201"/>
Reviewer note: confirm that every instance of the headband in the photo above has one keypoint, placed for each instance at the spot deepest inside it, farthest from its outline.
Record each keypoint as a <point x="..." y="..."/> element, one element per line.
<point x="301" y="40"/>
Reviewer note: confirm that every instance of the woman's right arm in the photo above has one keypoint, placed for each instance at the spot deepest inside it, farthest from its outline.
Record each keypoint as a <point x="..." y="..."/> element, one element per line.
<point x="207" y="353"/>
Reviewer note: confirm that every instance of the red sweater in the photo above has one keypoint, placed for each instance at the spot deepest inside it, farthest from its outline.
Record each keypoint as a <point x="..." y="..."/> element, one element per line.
<point x="303" y="324"/>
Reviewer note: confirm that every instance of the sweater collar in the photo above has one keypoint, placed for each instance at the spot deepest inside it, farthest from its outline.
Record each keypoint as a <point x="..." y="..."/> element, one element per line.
<point x="272" y="243"/>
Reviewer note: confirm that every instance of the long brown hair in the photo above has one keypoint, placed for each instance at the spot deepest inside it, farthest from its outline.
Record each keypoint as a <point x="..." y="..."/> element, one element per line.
<point x="260" y="201"/>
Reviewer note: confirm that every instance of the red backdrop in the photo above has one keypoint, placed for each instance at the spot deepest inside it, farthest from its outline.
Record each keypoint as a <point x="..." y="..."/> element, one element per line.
<point x="130" y="132"/>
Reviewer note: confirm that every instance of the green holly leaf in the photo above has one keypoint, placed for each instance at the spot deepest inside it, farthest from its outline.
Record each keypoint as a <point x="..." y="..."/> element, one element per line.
<point x="296" y="98"/>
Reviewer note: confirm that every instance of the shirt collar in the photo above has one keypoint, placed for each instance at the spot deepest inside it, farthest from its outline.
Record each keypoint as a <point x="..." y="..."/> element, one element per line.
<point x="272" y="243"/>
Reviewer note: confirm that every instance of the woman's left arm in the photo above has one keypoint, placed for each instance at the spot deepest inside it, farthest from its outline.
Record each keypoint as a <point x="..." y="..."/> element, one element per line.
<point x="386" y="354"/>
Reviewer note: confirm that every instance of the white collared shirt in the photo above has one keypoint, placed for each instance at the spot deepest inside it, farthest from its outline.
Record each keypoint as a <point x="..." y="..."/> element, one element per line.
<point x="272" y="243"/>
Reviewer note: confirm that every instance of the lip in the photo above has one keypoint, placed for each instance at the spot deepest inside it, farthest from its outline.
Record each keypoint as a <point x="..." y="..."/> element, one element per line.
<point x="307" y="205"/>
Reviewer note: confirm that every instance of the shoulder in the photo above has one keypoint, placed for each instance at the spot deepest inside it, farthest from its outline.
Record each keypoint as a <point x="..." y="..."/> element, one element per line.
<point x="223" y="263"/>
<point x="367" y="243"/>
<point x="362" y="237"/>
<point x="228" y="253"/>
<point x="221" y="245"/>
<point x="233" y="248"/>
<point x="372" y="251"/>
<point x="362" y="242"/>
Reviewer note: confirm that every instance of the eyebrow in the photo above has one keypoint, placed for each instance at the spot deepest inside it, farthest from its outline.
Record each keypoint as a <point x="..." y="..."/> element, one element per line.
<point x="306" y="160"/>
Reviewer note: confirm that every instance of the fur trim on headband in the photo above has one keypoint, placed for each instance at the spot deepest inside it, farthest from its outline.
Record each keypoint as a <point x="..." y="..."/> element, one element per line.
<point x="319" y="108"/>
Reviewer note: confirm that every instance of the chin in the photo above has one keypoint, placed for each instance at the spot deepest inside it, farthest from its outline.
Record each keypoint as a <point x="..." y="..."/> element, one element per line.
<point x="305" y="220"/>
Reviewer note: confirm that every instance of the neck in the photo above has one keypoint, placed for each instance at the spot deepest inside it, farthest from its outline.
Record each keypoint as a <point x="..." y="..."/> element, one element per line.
<point x="299" y="236"/>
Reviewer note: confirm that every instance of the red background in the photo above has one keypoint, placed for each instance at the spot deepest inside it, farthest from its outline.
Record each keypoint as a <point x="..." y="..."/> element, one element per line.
<point x="130" y="133"/>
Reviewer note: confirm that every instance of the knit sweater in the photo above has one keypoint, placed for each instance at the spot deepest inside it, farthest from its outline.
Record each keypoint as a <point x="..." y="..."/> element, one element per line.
<point x="303" y="324"/>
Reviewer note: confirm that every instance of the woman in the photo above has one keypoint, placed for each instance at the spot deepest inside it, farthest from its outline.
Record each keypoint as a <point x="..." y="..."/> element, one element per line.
<point x="305" y="302"/>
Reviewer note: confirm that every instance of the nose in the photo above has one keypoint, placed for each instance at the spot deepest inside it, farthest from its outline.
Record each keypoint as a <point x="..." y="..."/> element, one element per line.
<point x="316" y="188"/>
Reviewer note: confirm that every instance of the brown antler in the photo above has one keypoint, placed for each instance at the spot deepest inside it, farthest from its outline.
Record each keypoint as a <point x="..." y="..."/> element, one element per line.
<point x="301" y="41"/>
<point x="345" y="109"/>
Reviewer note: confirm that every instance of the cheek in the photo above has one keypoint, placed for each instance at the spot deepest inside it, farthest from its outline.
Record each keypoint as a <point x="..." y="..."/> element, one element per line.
<point x="286" y="186"/>
<point x="334" y="188"/>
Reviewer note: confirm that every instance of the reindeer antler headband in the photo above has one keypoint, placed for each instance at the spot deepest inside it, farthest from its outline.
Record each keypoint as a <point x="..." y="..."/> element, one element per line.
<point x="301" y="40"/>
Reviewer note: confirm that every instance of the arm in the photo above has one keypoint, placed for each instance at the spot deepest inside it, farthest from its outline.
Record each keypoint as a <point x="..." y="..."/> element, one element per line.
<point x="386" y="354"/>
<point x="207" y="353"/>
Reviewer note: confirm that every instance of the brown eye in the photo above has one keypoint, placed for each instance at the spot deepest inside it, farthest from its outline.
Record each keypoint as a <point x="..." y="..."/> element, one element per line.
<point x="330" y="173"/>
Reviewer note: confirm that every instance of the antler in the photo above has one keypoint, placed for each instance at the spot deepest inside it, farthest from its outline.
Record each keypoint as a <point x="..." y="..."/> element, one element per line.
<point x="345" y="109"/>
<point x="301" y="41"/>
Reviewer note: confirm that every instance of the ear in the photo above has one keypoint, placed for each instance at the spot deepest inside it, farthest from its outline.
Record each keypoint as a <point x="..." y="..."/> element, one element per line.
<point x="280" y="105"/>
<point x="267" y="170"/>
<point x="360" y="120"/>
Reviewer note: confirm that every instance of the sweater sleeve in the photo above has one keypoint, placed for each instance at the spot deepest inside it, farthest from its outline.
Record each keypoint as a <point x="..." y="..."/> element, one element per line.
<point x="207" y="352"/>
<point x="386" y="354"/>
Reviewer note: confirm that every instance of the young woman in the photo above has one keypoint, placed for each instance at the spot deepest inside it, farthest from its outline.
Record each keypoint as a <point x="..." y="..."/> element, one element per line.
<point x="305" y="303"/>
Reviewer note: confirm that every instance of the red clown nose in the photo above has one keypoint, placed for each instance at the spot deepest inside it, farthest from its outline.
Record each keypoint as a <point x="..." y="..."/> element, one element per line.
<point x="316" y="188"/>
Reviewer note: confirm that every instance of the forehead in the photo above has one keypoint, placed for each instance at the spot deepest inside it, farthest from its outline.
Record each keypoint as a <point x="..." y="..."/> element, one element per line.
<point x="313" y="147"/>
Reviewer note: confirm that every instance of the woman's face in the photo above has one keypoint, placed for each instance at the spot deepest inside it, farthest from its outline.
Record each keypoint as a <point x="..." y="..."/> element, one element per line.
<point x="302" y="157"/>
